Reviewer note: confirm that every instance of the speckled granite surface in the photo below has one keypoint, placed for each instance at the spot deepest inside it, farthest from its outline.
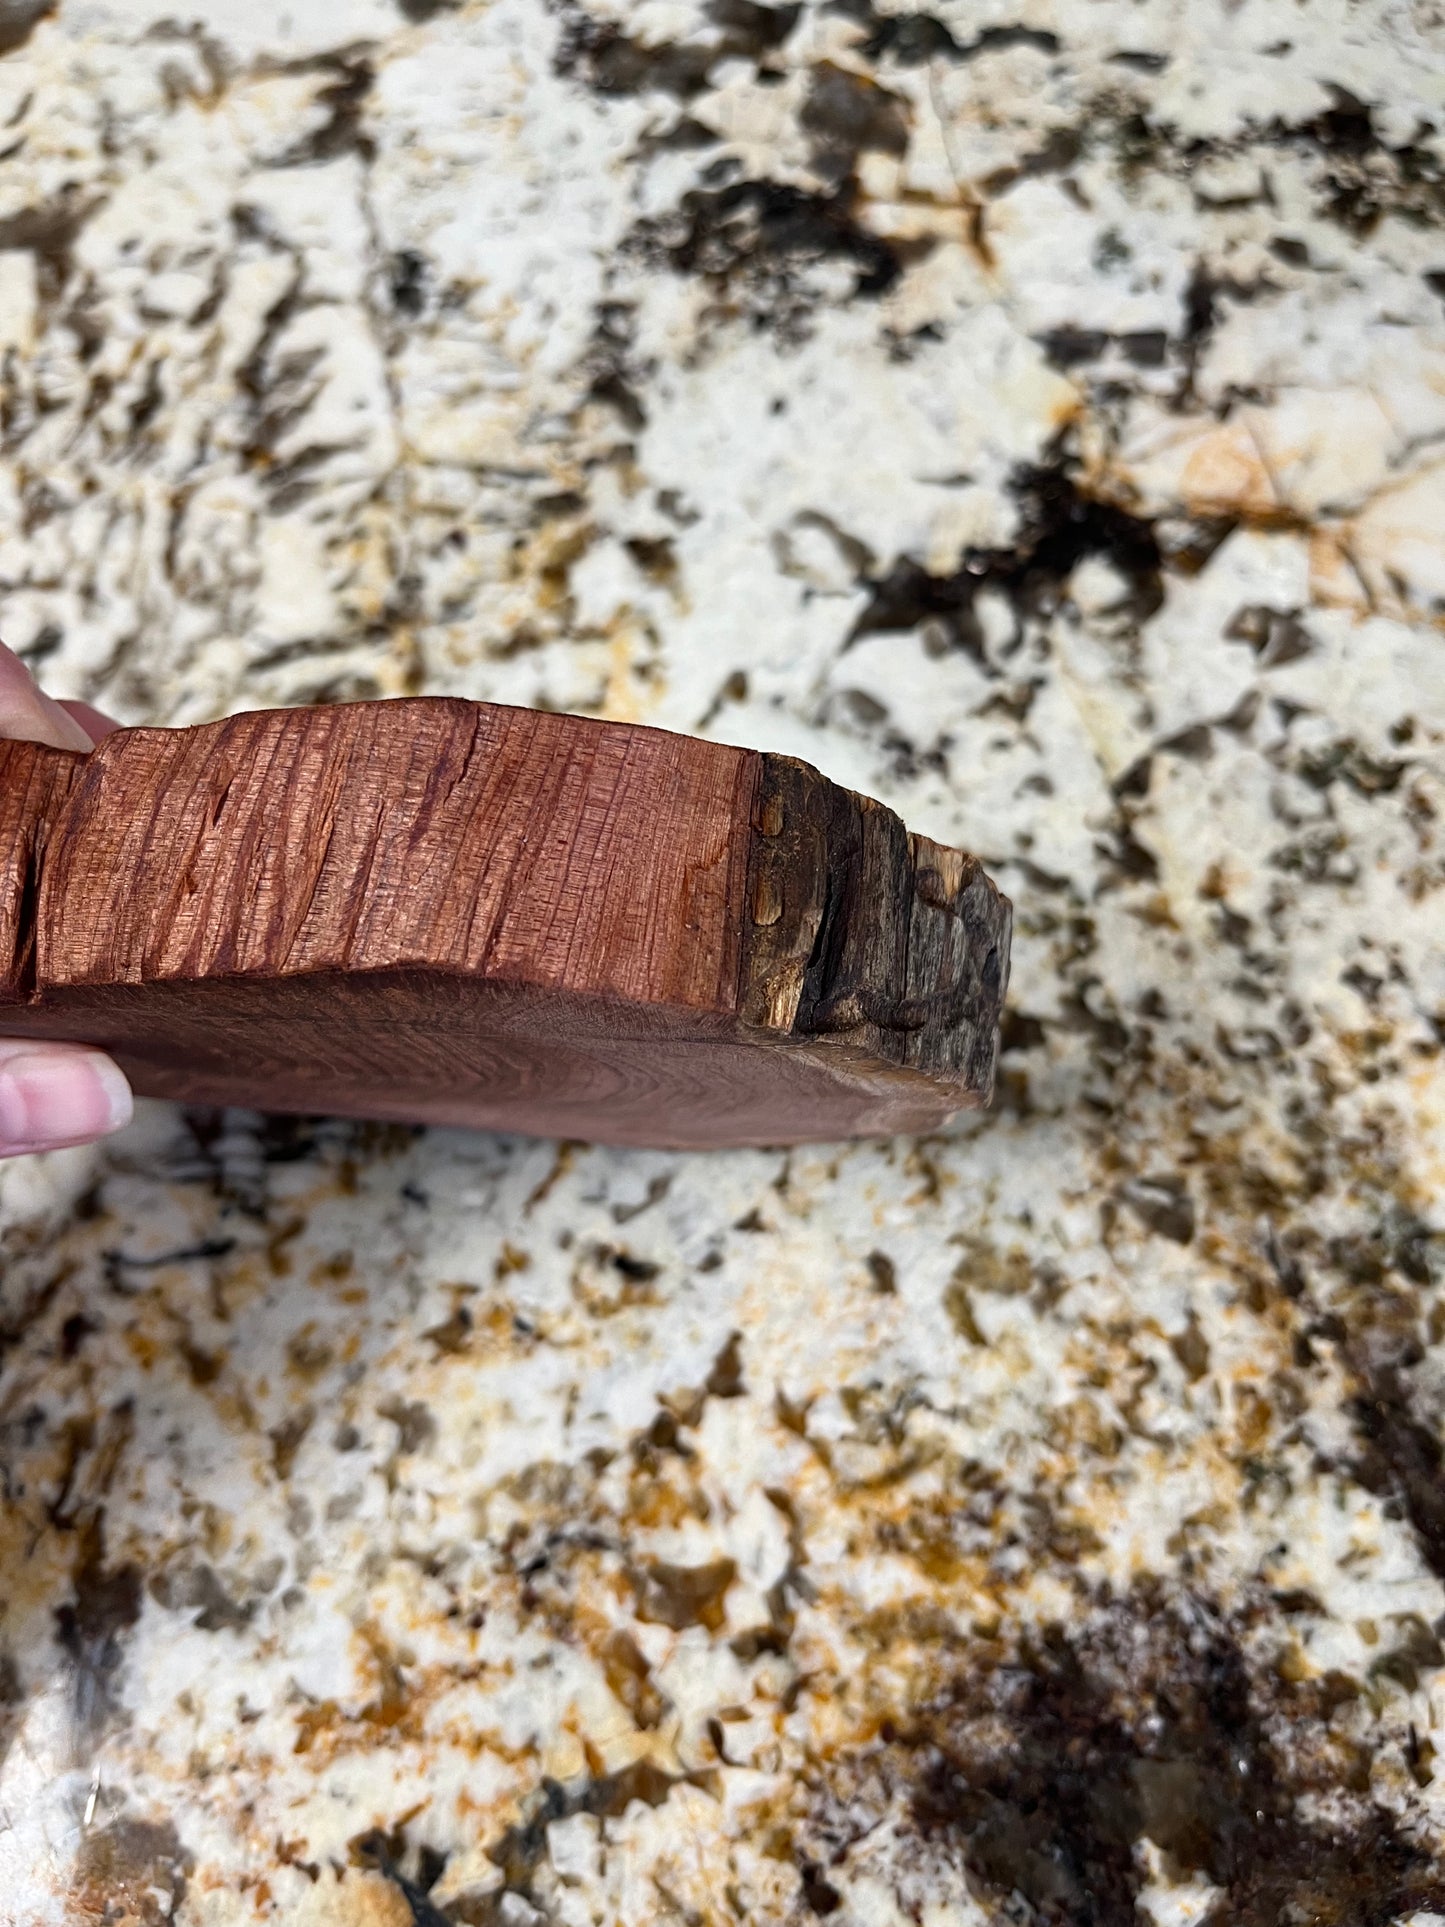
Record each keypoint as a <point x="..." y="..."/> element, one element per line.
<point x="1033" y="414"/>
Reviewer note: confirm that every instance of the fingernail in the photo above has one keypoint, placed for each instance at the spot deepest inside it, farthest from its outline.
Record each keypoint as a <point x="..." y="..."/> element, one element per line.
<point x="49" y="1099"/>
<point x="28" y="713"/>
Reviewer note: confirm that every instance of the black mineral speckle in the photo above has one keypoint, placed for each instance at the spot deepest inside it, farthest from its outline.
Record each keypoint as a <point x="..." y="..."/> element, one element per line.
<point x="343" y="131"/>
<point x="18" y="18"/>
<point x="407" y="281"/>
<point x="1400" y="1457"/>
<point x="1040" y="1765"/>
<point x="48" y="230"/>
<point x="105" y="1603"/>
<point x="755" y="240"/>
<point x="914" y="38"/>
<point x="1163" y="1205"/>
<point x="845" y="113"/>
<point x="522" y="1849"/>
<point x="604" y="57"/>
<point x="1059" y="524"/>
<point x="1070" y="347"/>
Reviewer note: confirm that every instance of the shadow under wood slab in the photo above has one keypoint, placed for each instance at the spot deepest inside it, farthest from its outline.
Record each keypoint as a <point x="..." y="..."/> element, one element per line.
<point x="450" y="912"/>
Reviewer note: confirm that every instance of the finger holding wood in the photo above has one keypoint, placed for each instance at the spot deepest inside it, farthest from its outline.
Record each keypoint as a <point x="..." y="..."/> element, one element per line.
<point x="52" y="1094"/>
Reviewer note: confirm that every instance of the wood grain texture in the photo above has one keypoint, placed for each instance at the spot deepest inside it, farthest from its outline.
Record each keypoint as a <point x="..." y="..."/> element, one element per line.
<point x="454" y="912"/>
<point x="34" y="783"/>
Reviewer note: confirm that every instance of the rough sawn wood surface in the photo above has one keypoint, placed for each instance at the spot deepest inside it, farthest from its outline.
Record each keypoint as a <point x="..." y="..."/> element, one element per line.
<point x="453" y="912"/>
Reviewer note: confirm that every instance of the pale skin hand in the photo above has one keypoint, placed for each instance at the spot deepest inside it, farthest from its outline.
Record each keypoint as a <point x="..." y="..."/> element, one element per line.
<point x="53" y="1094"/>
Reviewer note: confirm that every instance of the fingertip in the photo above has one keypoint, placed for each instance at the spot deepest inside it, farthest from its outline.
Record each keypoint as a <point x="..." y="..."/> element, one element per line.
<point x="57" y="1095"/>
<point x="96" y="724"/>
<point x="28" y="715"/>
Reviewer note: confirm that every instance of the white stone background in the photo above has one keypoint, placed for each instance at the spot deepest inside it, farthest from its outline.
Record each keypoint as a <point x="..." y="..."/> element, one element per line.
<point x="1033" y="414"/>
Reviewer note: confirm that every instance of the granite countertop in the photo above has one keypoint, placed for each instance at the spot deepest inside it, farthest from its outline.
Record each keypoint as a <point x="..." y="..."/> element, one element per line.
<point x="1032" y="412"/>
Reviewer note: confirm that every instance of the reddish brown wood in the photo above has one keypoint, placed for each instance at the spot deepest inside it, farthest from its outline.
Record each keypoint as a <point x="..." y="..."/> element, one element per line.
<point x="452" y="912"/>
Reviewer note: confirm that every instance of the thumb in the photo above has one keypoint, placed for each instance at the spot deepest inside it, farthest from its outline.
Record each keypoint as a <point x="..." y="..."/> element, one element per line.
<point x="28" y="715"/>
<point x="52" y="1095"/>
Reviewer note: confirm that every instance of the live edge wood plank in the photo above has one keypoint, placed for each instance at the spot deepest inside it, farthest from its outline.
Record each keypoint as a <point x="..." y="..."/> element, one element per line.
<point x="452" y="912"/>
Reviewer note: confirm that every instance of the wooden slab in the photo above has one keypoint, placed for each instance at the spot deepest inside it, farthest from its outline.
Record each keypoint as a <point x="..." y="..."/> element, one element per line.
<point x="451" y="912"/>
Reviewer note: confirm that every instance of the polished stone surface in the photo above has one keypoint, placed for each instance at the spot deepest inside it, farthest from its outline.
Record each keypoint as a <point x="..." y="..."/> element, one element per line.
<point x="1034" y="415"/>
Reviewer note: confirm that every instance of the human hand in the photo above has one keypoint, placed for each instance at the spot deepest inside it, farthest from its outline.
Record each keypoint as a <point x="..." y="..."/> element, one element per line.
<point x="53" y="1095"/>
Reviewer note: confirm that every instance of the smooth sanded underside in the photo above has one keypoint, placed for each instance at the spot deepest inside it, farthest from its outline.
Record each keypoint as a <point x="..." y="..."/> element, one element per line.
<point x="452" y="912"/>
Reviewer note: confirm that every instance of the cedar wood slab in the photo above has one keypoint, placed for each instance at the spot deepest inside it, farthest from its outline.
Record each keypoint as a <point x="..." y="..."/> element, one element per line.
<point x="450" y="912"/>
